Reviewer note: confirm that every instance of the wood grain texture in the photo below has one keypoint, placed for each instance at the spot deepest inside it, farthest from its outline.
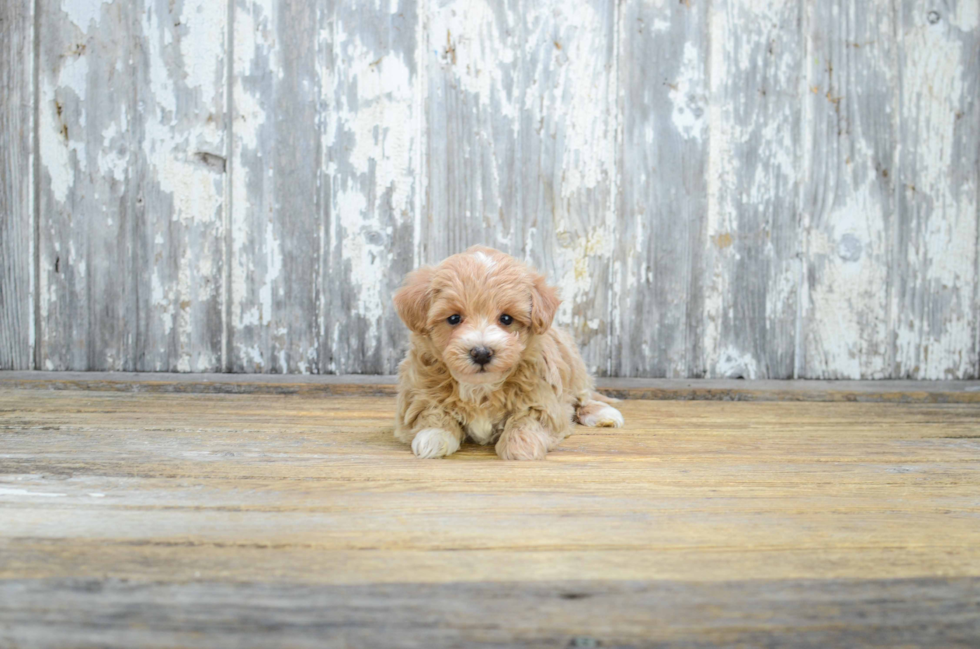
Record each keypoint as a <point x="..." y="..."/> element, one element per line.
<point x="162" y="519"/>
<point x="752" y="270"/>
<point x="374" y="132"/>
<point x="182" y="175"/>
<point x="848" y="205"/>
<point x="88" y="273"/>
<point x="276" y="211"/>
<point x="736" y="188"/>
<point x="474" y="88"/>
<point x="17" y="185"/>
<point x="658" y="282"/>
<point x="568" y="162"/>
<point x="131" y="151"/>
<point x="801" y="613"/>
<point x="934" y="276"/>
<point x="521" y="119"/>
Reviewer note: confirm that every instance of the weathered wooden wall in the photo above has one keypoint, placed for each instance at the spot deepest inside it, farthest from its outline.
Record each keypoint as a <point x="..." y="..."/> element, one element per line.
<point x="16" y="184"/>
<point x="766" y="189"/>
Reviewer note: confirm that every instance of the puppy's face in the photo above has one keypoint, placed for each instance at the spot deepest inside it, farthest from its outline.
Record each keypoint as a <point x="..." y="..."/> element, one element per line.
<point x="479" y="309"/>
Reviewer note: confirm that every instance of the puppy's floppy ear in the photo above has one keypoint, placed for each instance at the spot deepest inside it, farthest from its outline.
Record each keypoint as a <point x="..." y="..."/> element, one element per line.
<point x="412" y="300"/>
<point x="544" y="304"/>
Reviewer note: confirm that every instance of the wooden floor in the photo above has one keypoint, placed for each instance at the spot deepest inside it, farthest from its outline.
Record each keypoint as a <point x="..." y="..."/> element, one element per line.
<point x="256" y="520"/>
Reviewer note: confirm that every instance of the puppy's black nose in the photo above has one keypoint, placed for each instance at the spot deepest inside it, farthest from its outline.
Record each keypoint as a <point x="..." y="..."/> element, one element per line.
<point x="481" y="355"/>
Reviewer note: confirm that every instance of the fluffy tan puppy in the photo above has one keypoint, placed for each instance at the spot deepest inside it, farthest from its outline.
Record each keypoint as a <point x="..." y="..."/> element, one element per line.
<point x="485" y="362"/>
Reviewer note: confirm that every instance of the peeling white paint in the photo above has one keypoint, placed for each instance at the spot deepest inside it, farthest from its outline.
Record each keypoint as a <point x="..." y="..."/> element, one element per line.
<point x="53" y="148"/>
<point x="575" y="264"/>
<point x="57" y="138"/>
<point x="273" y="267"/>
<point x="734" y="364"/>
<point x="569" y="91"/>
<point x="356" y="222"/>
<point x="478" y="51"/>
<point x="252" y="32"/>
<point x="722" y="167"/>
<point x="185" y="54"/>
<point x="170" y="146"/>
<point x="253" y="355"/>
<point x="538" y="77"/>
<point x="571" y="100"/>
<point x="378" y="124"/>
<point x="753" y="177"/>
<point x="967" y="15"/>
<point x="162" y="299"/>
<point x="202" y="44"/>
<point x="689" y="115"/>
<point x="931" y="343"/>
<point x="374" y="102"/>
<point x="421" y="128"/>
<point x="250" y="291"/>
<point x="82" y="13"/>
<point x="847" y="326"/>
<point x="113" y="154"/>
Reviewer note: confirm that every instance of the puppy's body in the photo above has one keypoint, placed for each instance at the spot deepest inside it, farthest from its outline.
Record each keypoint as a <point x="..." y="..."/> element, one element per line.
<point x="485" y="362"/>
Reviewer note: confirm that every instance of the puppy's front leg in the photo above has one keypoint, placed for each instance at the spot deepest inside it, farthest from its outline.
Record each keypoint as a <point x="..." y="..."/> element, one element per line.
<point x="524" y="438"/>
<point x="432" y="435"/>
<point x="430" y="430"/>
<point x="431" y="443"/>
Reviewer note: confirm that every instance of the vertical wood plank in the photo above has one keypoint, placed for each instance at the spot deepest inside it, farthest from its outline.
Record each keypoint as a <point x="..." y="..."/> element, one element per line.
<point x="130" y="138"/>
<point x="848" y="199"/>
<point x="272" y="320"/>
<point x="88" y="136"/>
<point x="16" y="185"/>
<point x="934" y="275"/>
<point x="568" y="161"/>
<point x="752" y="270"/>
<point x="474" y="67"/>
<point x="663" y="60"/>
<point x="372" y="146"/>
<point x="521" y="114"/>
<point x="181" y="166"/>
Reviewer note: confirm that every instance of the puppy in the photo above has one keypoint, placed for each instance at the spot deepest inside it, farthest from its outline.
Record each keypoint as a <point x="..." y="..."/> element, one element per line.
<point x="485" y="362"/>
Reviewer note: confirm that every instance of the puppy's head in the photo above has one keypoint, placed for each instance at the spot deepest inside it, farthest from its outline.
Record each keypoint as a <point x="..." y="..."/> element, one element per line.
<point x="479" y="309"/>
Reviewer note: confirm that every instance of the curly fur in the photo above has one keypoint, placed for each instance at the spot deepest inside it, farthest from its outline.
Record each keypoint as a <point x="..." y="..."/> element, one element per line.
<point x="526" y="398"/>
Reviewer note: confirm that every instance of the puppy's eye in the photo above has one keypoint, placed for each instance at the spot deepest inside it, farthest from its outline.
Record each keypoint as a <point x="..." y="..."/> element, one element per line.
<point x="454" y="319"/>
<point x="506" y="320"/>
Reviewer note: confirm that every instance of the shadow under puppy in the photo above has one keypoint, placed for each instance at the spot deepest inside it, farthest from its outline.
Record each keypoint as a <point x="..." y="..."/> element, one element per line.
<point x="486" y="363"/>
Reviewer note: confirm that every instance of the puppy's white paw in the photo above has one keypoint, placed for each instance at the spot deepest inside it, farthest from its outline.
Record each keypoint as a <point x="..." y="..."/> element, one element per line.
<point x="599" y="415"/>
<point x="431" y="443"/>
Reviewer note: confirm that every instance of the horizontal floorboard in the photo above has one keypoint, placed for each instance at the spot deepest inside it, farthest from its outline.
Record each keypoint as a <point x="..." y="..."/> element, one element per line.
<point x="151" y="519"/>
<point x="817" y="613"/>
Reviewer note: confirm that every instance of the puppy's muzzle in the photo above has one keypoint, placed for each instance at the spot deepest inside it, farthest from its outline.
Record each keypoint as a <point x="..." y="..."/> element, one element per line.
<point x="481" y="355"/>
